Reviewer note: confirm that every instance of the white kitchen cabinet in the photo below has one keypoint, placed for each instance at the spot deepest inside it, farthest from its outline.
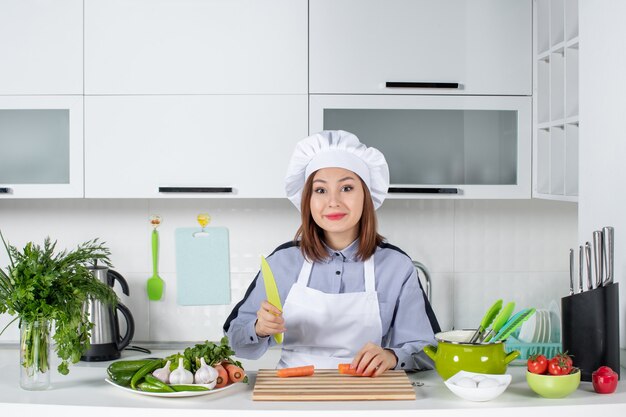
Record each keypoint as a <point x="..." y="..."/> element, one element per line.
<point x="41" y="146"/>
<point x="357" y="46"/>
<point x="41" y="47"/>
<point x="196" y="146"/>
<point x="439" y="146"/>
<point x="556" y="100"/>
<point x="195" y="47"/>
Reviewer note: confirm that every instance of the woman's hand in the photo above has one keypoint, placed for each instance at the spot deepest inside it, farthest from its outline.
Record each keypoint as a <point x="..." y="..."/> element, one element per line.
<point x="373" y="360"/>
<point x="269" y="320"/>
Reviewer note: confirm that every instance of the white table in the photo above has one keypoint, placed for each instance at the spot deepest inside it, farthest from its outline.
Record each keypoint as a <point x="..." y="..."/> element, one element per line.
<point x="83" y="393"/>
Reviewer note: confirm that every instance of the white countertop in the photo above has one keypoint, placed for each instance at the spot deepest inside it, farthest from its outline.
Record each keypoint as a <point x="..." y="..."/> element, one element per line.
<point x="84" y="393"/>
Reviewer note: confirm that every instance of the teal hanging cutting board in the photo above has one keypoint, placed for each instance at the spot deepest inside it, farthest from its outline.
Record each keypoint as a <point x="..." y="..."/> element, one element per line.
<point x="202" y="266"/>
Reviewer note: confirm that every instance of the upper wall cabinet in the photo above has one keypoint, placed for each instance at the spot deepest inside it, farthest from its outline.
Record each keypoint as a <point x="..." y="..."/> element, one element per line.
<point x="41" y="47"/>
<point x="190" y="146"/>
<point x="41" y="146"/>
<point x="195" y="47"/>
<point x="423" y="46"/>
<point x="439" y="146"/>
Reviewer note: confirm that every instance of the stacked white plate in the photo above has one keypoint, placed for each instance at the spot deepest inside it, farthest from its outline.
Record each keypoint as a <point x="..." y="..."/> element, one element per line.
<point x="542" y="327"/>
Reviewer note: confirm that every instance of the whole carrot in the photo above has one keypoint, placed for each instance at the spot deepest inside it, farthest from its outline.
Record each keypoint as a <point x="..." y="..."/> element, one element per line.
<point x="222" y="376"/>
<point x="296" y="371"/>
<point x="235" y="373"/>
<point x="344" y="368"/>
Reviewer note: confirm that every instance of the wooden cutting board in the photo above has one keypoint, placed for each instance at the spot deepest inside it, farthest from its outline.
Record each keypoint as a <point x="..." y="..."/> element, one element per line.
<point x="329" y="385"/>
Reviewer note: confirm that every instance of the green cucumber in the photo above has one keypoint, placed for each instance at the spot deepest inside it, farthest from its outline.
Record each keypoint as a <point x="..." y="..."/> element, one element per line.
<point x="121" y="378"/>
<point x="127" y="366"/>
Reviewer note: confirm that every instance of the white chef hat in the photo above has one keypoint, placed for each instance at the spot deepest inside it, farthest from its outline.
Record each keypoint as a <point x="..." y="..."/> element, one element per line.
<point x="337" y="149"/>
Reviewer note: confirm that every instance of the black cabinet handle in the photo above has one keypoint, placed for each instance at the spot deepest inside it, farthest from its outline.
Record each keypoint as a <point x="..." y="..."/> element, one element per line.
<point x="195" y="189"/>
<point x="415" y="190"/>
<point x="404" y="84"/>
<point x="5" y="190"/>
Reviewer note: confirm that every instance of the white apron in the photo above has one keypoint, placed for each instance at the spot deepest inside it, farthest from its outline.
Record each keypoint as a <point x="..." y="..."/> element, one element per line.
<point x="328" y="329"/>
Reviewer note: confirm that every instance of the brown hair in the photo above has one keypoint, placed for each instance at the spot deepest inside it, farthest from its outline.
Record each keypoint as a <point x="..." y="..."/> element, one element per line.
<point x="311" y="236"/>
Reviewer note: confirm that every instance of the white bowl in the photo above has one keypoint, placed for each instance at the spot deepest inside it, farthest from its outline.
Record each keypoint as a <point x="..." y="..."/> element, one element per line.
<point x="478" y="393"/>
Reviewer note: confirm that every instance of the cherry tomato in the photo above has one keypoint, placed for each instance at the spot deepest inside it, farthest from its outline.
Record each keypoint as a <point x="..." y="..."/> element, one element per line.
<point x="537" y="364"/>
<point x="560" y="364"/>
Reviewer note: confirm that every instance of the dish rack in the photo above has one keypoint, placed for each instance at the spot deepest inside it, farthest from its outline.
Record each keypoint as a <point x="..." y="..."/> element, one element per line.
<point x="528" y="349"/>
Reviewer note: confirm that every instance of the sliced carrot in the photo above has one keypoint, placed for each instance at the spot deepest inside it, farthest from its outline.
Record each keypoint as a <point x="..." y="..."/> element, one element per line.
<point x="235" y="373"/>
<point x="344" y="368"/>
<point x="296" y="371"/>
<point x="222" y="376"/>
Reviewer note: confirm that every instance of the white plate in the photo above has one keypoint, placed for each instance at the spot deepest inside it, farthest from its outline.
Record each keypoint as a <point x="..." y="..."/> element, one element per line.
<point x="542" y="334"/>
<point x="548" y="329"/>
<point x="539" y="333"/>
<point x="539" y="327"/>
<point x="555" y="320"/>
<point x="170" y="394"/>
<point x="528" y="329"/>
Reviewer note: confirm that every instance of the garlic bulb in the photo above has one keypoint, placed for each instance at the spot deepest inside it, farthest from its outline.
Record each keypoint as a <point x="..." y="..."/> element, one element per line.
<point x="180" y="375"/>
<point x="205" y="374"/>
<point x="163" y="374"/>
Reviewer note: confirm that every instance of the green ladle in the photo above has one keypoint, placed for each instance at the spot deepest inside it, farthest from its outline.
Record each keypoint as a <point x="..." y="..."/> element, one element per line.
<point x="155" y="283"/>
<point x="487" y="320"/>
<point x="500" y="321"/>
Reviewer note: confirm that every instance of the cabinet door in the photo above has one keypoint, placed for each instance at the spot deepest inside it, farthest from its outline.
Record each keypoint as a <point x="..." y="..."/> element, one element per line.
<point x="41" y="146"/>
<point x="357" y="46"/>
<point x="194" y="145"/>
<point x="195" y="47"/>
<point x="41" y="47"/>
<point x="439" y="146"/>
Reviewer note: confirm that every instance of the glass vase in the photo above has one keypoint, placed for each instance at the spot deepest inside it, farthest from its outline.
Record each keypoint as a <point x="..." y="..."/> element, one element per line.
<point x="35" y="355"/>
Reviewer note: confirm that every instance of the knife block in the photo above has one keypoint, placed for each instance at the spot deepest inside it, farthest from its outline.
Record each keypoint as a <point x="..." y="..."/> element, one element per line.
<point x="590" y="329"/>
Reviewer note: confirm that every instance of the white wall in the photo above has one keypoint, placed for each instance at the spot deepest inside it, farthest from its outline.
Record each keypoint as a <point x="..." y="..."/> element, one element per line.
<point x="602" y="200"/>
<point x="477" y="250"/>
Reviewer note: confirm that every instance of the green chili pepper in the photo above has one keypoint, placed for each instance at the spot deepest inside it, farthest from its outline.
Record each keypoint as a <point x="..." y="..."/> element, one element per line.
<point x="179" y="388"/>
<point x="144" y="386"/>
<point x="144" y="370"/>
<point x="152" y="380"/>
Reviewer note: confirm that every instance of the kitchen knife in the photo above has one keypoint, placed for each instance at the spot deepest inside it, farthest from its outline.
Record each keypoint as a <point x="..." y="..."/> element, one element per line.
<point x="597" y="253"/>
<point x="588" y="259"/>
<point x="581" y="267"/>
<point x="571" y="271"/>
<point x="608" y="235"/>
<point x="271" y="290"/>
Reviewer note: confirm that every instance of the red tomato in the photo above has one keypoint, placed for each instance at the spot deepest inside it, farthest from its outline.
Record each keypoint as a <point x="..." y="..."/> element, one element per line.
<point x="537" y="364"/>
<point x="561" y="364"/>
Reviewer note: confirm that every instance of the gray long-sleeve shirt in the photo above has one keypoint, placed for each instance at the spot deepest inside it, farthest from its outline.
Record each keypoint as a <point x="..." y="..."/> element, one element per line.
<point x="408" y="322"/>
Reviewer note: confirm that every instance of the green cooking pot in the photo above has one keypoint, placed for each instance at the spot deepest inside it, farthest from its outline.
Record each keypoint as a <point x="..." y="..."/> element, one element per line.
<point x="454" y="354"/>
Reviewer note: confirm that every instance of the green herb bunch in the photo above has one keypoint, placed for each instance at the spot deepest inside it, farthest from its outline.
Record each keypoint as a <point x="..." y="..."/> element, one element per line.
<point x="40" y="284"/>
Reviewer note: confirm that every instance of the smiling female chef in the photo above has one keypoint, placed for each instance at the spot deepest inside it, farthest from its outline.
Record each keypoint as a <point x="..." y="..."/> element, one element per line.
<point x="349" y="297"/>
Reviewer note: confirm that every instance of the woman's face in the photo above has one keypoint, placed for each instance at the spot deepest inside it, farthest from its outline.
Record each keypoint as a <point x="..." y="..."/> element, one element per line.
<point x="337" y="204"/>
